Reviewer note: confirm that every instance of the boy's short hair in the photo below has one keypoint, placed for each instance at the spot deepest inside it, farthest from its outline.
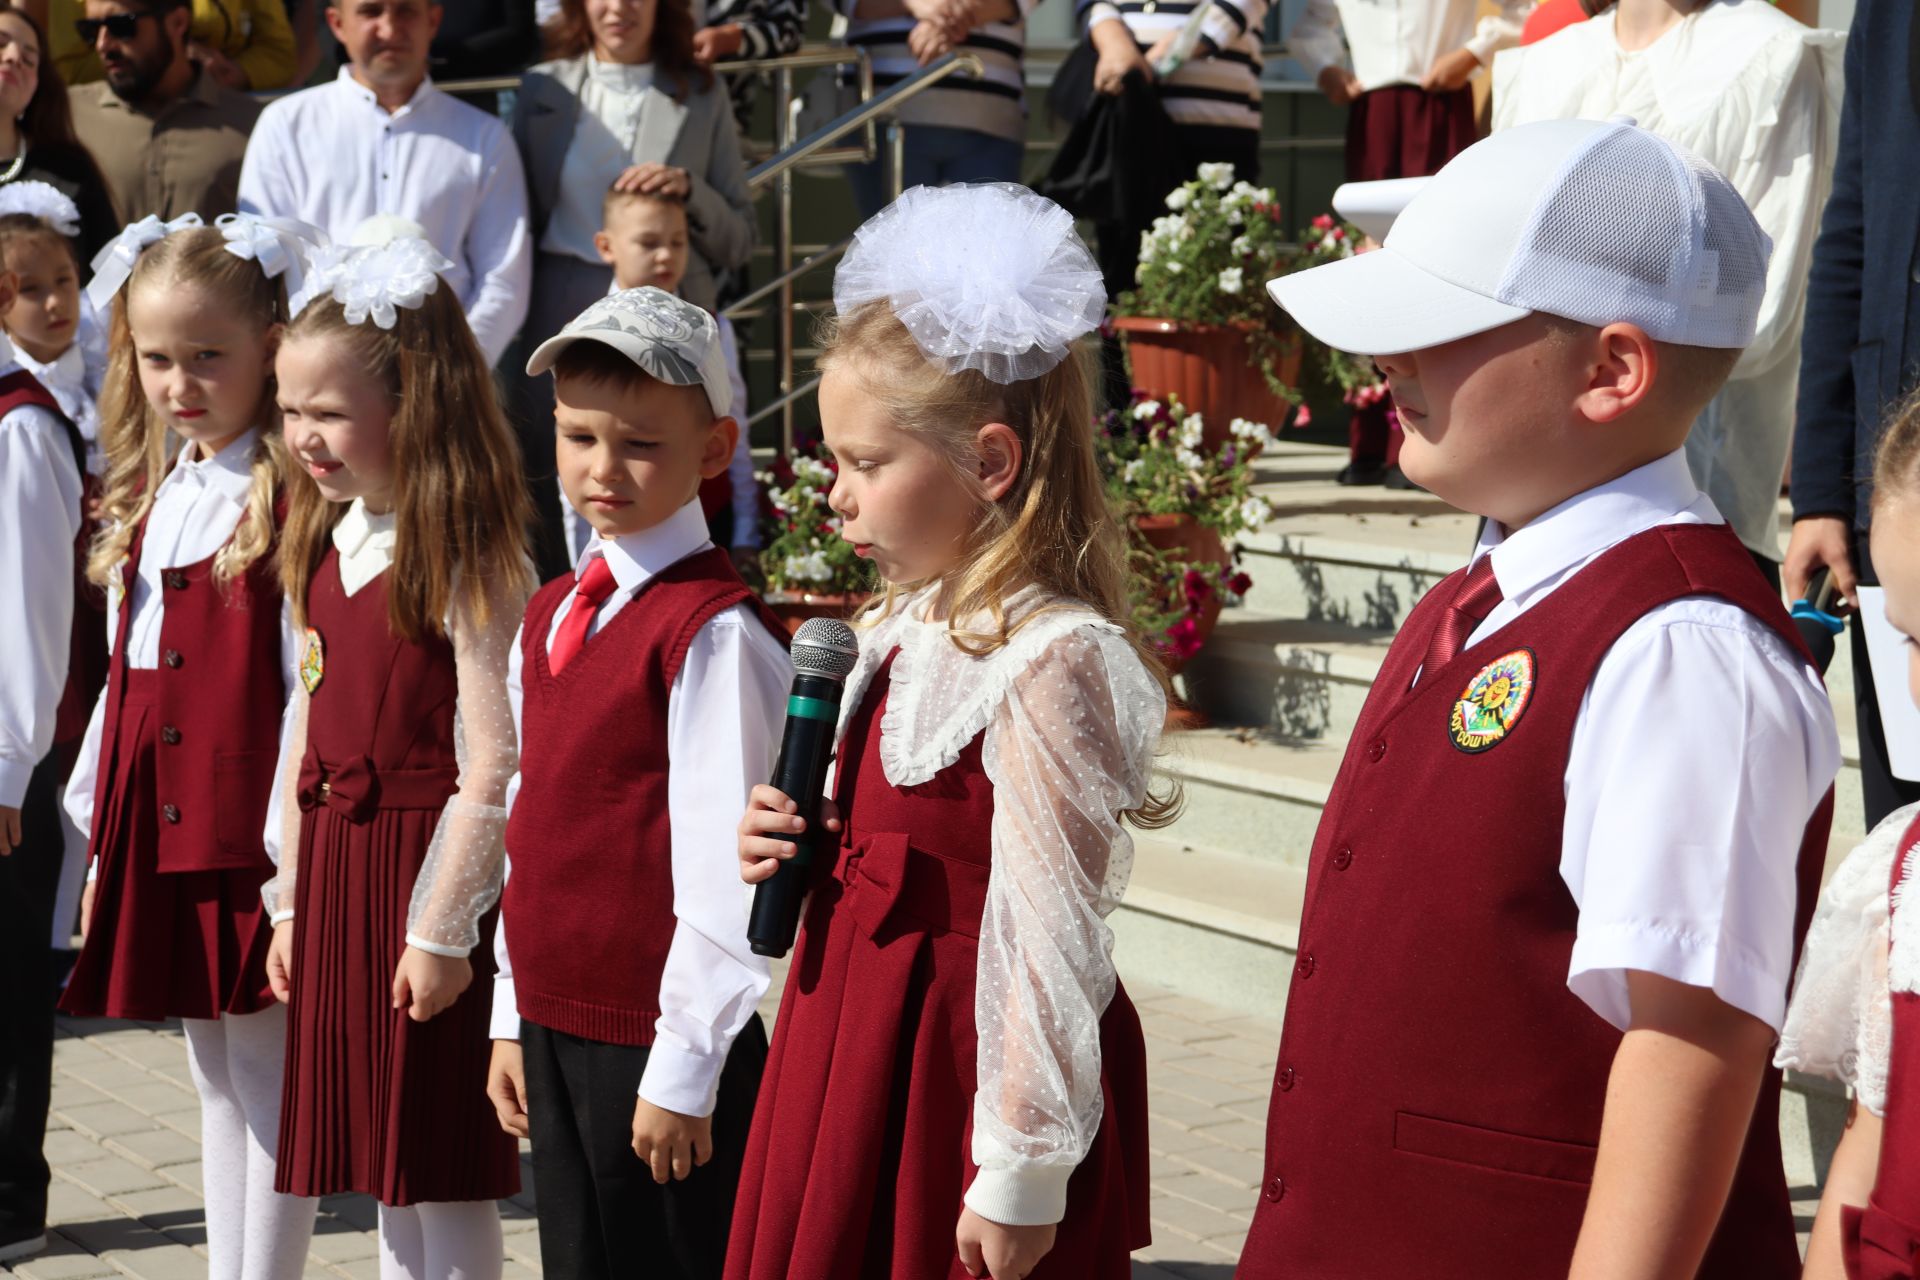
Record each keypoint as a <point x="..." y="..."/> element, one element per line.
<point x="618" y="199"/>
<point x="598" y="364"/>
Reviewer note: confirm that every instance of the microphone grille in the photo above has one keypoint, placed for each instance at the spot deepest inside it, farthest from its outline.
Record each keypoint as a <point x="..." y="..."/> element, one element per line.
<point x="825" y="647"/>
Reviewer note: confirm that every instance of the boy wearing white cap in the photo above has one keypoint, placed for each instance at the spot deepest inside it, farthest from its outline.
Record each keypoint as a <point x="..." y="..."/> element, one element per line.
<point x="1531" y="1037"/>
<point x="649" y="688"/>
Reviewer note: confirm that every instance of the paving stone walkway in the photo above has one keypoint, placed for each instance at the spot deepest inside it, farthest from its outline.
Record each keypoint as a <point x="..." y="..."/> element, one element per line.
<point x="125" y="1150"/>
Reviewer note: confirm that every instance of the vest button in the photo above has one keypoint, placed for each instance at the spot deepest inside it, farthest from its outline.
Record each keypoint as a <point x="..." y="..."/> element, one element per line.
<point x="171" y="813"/>
<point x="170" y="735"/>
<point x="1275" y="1188"/>
<point x="1376" y="749"/>
<point x="176" y="579"/>
<point x="1342" y="858"/>
<point x="172" y="658"/>
<point x="1304" y="966"/>
<point x="1284" y="1079"/>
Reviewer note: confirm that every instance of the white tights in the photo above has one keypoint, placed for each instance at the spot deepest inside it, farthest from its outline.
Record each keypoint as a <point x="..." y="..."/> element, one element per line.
<point x="253" y="1232"/>
<point x="442" y="1240"/>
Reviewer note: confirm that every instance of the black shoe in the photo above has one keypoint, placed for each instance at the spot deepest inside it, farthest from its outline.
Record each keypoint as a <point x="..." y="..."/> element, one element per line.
<point x="1397" y="479"/>
<point x="1361" y="473"/>
<point x="12" y="1251"/>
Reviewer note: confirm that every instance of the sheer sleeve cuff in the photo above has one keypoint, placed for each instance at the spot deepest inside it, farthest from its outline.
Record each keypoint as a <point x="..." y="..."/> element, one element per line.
<point x="1031" y="1196"/>
<point x="680" y="1080"/>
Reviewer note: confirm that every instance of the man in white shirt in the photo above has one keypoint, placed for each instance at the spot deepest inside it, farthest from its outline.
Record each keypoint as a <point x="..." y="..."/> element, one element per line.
<point x="381" y="139"/>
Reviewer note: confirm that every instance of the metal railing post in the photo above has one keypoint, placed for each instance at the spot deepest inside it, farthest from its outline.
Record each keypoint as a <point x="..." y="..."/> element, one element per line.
<point x="783" y="256"/>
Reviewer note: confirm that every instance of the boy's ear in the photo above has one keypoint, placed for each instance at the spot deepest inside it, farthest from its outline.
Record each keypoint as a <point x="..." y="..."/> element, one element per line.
<point x="722" y="437"/>
<point x="603" y="245"/>
<point x="9" y="289"/>
<point x="1622" y="366"/>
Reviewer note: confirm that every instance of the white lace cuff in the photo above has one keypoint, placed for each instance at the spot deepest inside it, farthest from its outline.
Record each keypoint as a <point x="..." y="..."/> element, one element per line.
<point x="459" y="880"/>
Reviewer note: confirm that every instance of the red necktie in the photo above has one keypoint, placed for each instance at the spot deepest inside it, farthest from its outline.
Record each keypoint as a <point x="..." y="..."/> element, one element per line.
<point x="1475" y="599"/>
<point x="595" y="585"/>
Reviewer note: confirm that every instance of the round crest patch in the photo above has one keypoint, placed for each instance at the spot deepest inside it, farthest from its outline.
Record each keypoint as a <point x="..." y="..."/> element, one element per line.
<point x="1492" y="703"/>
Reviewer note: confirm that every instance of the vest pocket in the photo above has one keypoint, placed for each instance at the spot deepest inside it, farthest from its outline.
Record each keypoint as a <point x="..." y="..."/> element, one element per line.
<point x="1495" y="1149"/>
<point x="242" y="787"/>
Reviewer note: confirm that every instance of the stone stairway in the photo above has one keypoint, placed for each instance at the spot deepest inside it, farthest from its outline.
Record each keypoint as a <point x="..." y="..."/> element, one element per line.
<point x="1213" y="909"/>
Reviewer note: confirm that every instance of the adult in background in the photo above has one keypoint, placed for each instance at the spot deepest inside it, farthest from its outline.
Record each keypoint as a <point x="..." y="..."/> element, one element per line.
<point x="381" y="139"/>
<point x="37" y="142"/>
<point x="1409" y="111"/>
<point x="748" y="29"/>
<point x="245" y="44"/>
<point x="1861" y="354"/>
<point x="622" y="101"/>
<point x="167" y="134"/>
<point x="1757" y="96"/>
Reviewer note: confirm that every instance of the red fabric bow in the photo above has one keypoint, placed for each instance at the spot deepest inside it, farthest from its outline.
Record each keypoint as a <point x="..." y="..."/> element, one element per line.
<point x="350" y="788"/>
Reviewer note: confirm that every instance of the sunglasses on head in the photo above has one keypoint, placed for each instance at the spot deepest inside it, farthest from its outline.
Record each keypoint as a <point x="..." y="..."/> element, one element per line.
<point x="121" y="26"/>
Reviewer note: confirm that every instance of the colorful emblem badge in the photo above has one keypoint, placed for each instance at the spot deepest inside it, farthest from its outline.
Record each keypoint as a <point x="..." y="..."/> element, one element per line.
<point x="313" y="661"/>
<point x="1493" y="703"/>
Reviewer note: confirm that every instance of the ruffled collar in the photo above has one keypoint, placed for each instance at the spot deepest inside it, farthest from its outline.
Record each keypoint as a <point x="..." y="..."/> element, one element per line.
<point x="939" y="697"/>
<point x="1903" y="957"/>
<point x="365" y="543"/>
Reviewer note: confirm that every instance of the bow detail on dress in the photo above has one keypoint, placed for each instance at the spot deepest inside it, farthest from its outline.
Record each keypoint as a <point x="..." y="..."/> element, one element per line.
<point x="350" y="788"/>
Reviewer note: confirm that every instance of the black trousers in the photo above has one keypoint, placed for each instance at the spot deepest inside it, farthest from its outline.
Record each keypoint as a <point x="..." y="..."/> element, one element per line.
<point x="29" y="881"/>
<point x="1882" y="792"/>
<point x="601" y="1213"/>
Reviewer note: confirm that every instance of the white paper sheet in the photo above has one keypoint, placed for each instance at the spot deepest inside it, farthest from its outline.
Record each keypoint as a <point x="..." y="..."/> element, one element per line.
<point x="1887" y="653"/>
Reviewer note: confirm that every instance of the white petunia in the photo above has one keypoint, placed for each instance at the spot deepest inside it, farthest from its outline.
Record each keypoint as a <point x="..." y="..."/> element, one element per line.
<point x="1230" y="280"/>
<point x="1217" y="176"/>
<point x="1174" y="268"/>
<point x="1242" y="246"/>
<point x="1132" y="470"/>
<point x="1188" y="459"/>
<point x="1255" y="512"/>
<point x="1179" y="198"/>
<point x="1193" y="431"/>
<point x="1146" y="409"/>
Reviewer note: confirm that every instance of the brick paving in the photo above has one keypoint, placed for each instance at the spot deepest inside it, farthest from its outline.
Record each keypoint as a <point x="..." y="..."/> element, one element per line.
<point x="124" y="1143"/>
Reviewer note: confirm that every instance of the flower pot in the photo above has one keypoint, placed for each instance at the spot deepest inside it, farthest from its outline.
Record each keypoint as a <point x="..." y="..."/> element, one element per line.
<point x="795" y="608"/>
<point x="1209" y="369"/>
<point x="1187" y="539"/>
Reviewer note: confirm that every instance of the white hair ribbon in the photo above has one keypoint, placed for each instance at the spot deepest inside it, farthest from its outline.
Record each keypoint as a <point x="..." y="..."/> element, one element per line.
<point x="372" y="282"/>
<point x="113" y="264"/>
<point x="282" y="246"/>
<point x="44" y="201"/>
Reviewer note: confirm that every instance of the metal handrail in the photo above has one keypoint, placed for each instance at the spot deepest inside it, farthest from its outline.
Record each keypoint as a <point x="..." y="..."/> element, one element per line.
<point x="915" y="84"/>
<point x="743" y="305"/>
<point x="783" y="404"/>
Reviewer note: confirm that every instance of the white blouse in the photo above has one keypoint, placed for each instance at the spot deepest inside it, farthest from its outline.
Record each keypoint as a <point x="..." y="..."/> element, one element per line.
<point x="74" y="378"/>
<point x="1756" y="95"/>
<point x="1840" y="1024"/>
<point x="1072" y="718"/>
<point x="460" y="879"/>
<point x="613" y="99"/>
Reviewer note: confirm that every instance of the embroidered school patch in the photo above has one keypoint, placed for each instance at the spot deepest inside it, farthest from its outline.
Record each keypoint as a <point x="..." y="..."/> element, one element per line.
<point x="313" y="661"/>
<point x="1493" y="702"/>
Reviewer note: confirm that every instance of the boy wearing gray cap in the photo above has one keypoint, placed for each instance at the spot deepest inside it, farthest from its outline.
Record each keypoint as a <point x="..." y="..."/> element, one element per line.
<point x="649" y="687"/>
<point x="1556" y="896"/>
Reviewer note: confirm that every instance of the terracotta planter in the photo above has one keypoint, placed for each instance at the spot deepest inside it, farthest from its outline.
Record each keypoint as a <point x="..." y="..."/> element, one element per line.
<point x="795" y="608"/>
<point x="1187" y="540"/>
<point x="1210" y="369"/>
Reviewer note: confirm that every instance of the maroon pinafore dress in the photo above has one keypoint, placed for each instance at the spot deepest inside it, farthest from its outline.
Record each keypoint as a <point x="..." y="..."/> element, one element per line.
<point x="860" y="1149"/>
<point x="1882" y="1241"/>
<point x="375" y="1102"/>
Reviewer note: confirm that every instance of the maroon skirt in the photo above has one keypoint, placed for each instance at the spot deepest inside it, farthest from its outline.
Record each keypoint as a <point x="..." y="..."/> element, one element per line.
<point x="188" y="944"/>
<point x="1875" y="1245"/>
<point x="373" y="1101"/>
<point x="859" y="1154"/>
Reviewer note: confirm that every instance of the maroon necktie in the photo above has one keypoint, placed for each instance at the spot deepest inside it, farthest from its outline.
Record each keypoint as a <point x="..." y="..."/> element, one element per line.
<point x="1475" y="599"/>
<point x="595" y="585"/>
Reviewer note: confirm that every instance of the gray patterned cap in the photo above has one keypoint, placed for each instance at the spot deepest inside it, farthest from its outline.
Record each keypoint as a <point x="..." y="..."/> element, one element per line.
<point x="669" y="337"/>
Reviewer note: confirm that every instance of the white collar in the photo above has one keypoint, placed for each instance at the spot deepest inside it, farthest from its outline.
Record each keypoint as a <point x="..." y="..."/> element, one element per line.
<point x="620" y="77"/>
<point x="421" y="94"/>
<point x="636" y="558"/>
<point x="228" y="473"/>
<point x="360" y="528"/>
<point x="1590" y="522"/>
<point x="65" y="372"/>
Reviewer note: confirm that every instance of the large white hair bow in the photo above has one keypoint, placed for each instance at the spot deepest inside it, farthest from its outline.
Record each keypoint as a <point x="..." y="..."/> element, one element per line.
<point x="987" y="276"/>
<point x="44" y="201"/>
<point x="282" y="246"/>
<point x="373" y="281"/>
<point x="113" y="264"/>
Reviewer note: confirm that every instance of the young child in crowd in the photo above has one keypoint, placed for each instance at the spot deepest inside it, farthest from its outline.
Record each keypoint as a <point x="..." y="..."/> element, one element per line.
<point x="41" y="470"/>
<point x="1534" y="1035"/>
<point x="1855" y="1015"/>
<point x="955" y="1065"/>
<point x="405" y="562"/>
<point x="175" y="776"/>
<point x="644" y="240"/>
<point x="650" y="691"/>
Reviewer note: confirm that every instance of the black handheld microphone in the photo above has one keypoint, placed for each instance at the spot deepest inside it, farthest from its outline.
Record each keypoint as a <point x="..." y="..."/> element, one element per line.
<point x="824" y="651"/>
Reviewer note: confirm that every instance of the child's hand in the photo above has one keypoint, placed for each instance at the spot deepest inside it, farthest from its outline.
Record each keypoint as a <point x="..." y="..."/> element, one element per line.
<point x="10" y="832"/>
<point x="425" y="984"/>
<point x="86" y="911"/>
<point x="279" y="960"/>
<point x="1003" y="1252"/>
<point x="770" y="810"/>
<point x="507" y="1086"/>
<point x="670" y="1143"/>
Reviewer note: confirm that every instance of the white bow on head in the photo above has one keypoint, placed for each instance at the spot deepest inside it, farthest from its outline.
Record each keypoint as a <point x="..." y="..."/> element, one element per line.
<point x="44" y="201"/>
<point x="279" y="245"/>
<point x="373" y="281"/>
<point x="113" y="264"/>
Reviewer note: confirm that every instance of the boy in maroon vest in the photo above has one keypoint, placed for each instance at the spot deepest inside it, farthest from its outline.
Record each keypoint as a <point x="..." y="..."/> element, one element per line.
<point x="649" y="688"/>
<point x="1555" y="898"/>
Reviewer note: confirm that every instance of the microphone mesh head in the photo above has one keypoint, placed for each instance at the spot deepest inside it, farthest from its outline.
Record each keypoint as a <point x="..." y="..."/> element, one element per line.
<point x="825" y="647"/>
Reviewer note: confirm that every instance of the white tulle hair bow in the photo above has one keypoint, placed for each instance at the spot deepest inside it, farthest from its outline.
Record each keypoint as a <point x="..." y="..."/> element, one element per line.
<point x="282" y="246"/>
<point x="113" y="264"/>
<point x="44" y="201"/>
<point x="373" y="281"/>
<point x="986" y="276"/>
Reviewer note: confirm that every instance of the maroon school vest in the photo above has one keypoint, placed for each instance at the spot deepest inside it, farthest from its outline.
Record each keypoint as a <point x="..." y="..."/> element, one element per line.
<point x="589" y="906"/>
<point x="221" y="693"/>
<point x="1437" y="1099"/>
<point x="1882" y="1242"/>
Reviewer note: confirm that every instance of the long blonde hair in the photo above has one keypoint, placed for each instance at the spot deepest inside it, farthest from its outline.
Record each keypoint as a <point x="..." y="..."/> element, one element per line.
<point x="461" y="508"/>
<point x="1052" y="529"/>
<point x="139" y="447"/>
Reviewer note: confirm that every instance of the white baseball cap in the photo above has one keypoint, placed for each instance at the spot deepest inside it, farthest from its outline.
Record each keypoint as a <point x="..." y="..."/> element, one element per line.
<point x="669" y="337"/>
<point x="1595" y="222"/>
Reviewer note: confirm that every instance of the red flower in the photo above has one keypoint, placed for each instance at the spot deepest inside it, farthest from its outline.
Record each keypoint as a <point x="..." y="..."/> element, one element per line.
<point x="1323" y="222"/>
<point x="1183" y="638"/>
<point x="1239" y="584"/>
<point x="1302" y="416"/>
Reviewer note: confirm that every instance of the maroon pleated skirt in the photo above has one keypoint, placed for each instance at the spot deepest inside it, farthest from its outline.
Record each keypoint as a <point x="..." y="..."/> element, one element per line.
<point x="185" y="944"/>
<point x="859" y="1154"/>
<point x="373" y="1101"/>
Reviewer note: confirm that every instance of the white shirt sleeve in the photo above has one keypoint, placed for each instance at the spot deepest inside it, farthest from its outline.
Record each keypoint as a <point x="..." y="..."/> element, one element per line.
<point x="39" y="520"/>
<point x="725" y="714"/>
<point x="85" y="778"/>
<point x="1315" y="40"/>
<point x="1070" y="748"/>
<point x="1682" y="860"/>
<point x="506" y="1005"/>
<point x="266" y="186"/>
<point x="499" y="250"/>
<point x="1499" y="30"/>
